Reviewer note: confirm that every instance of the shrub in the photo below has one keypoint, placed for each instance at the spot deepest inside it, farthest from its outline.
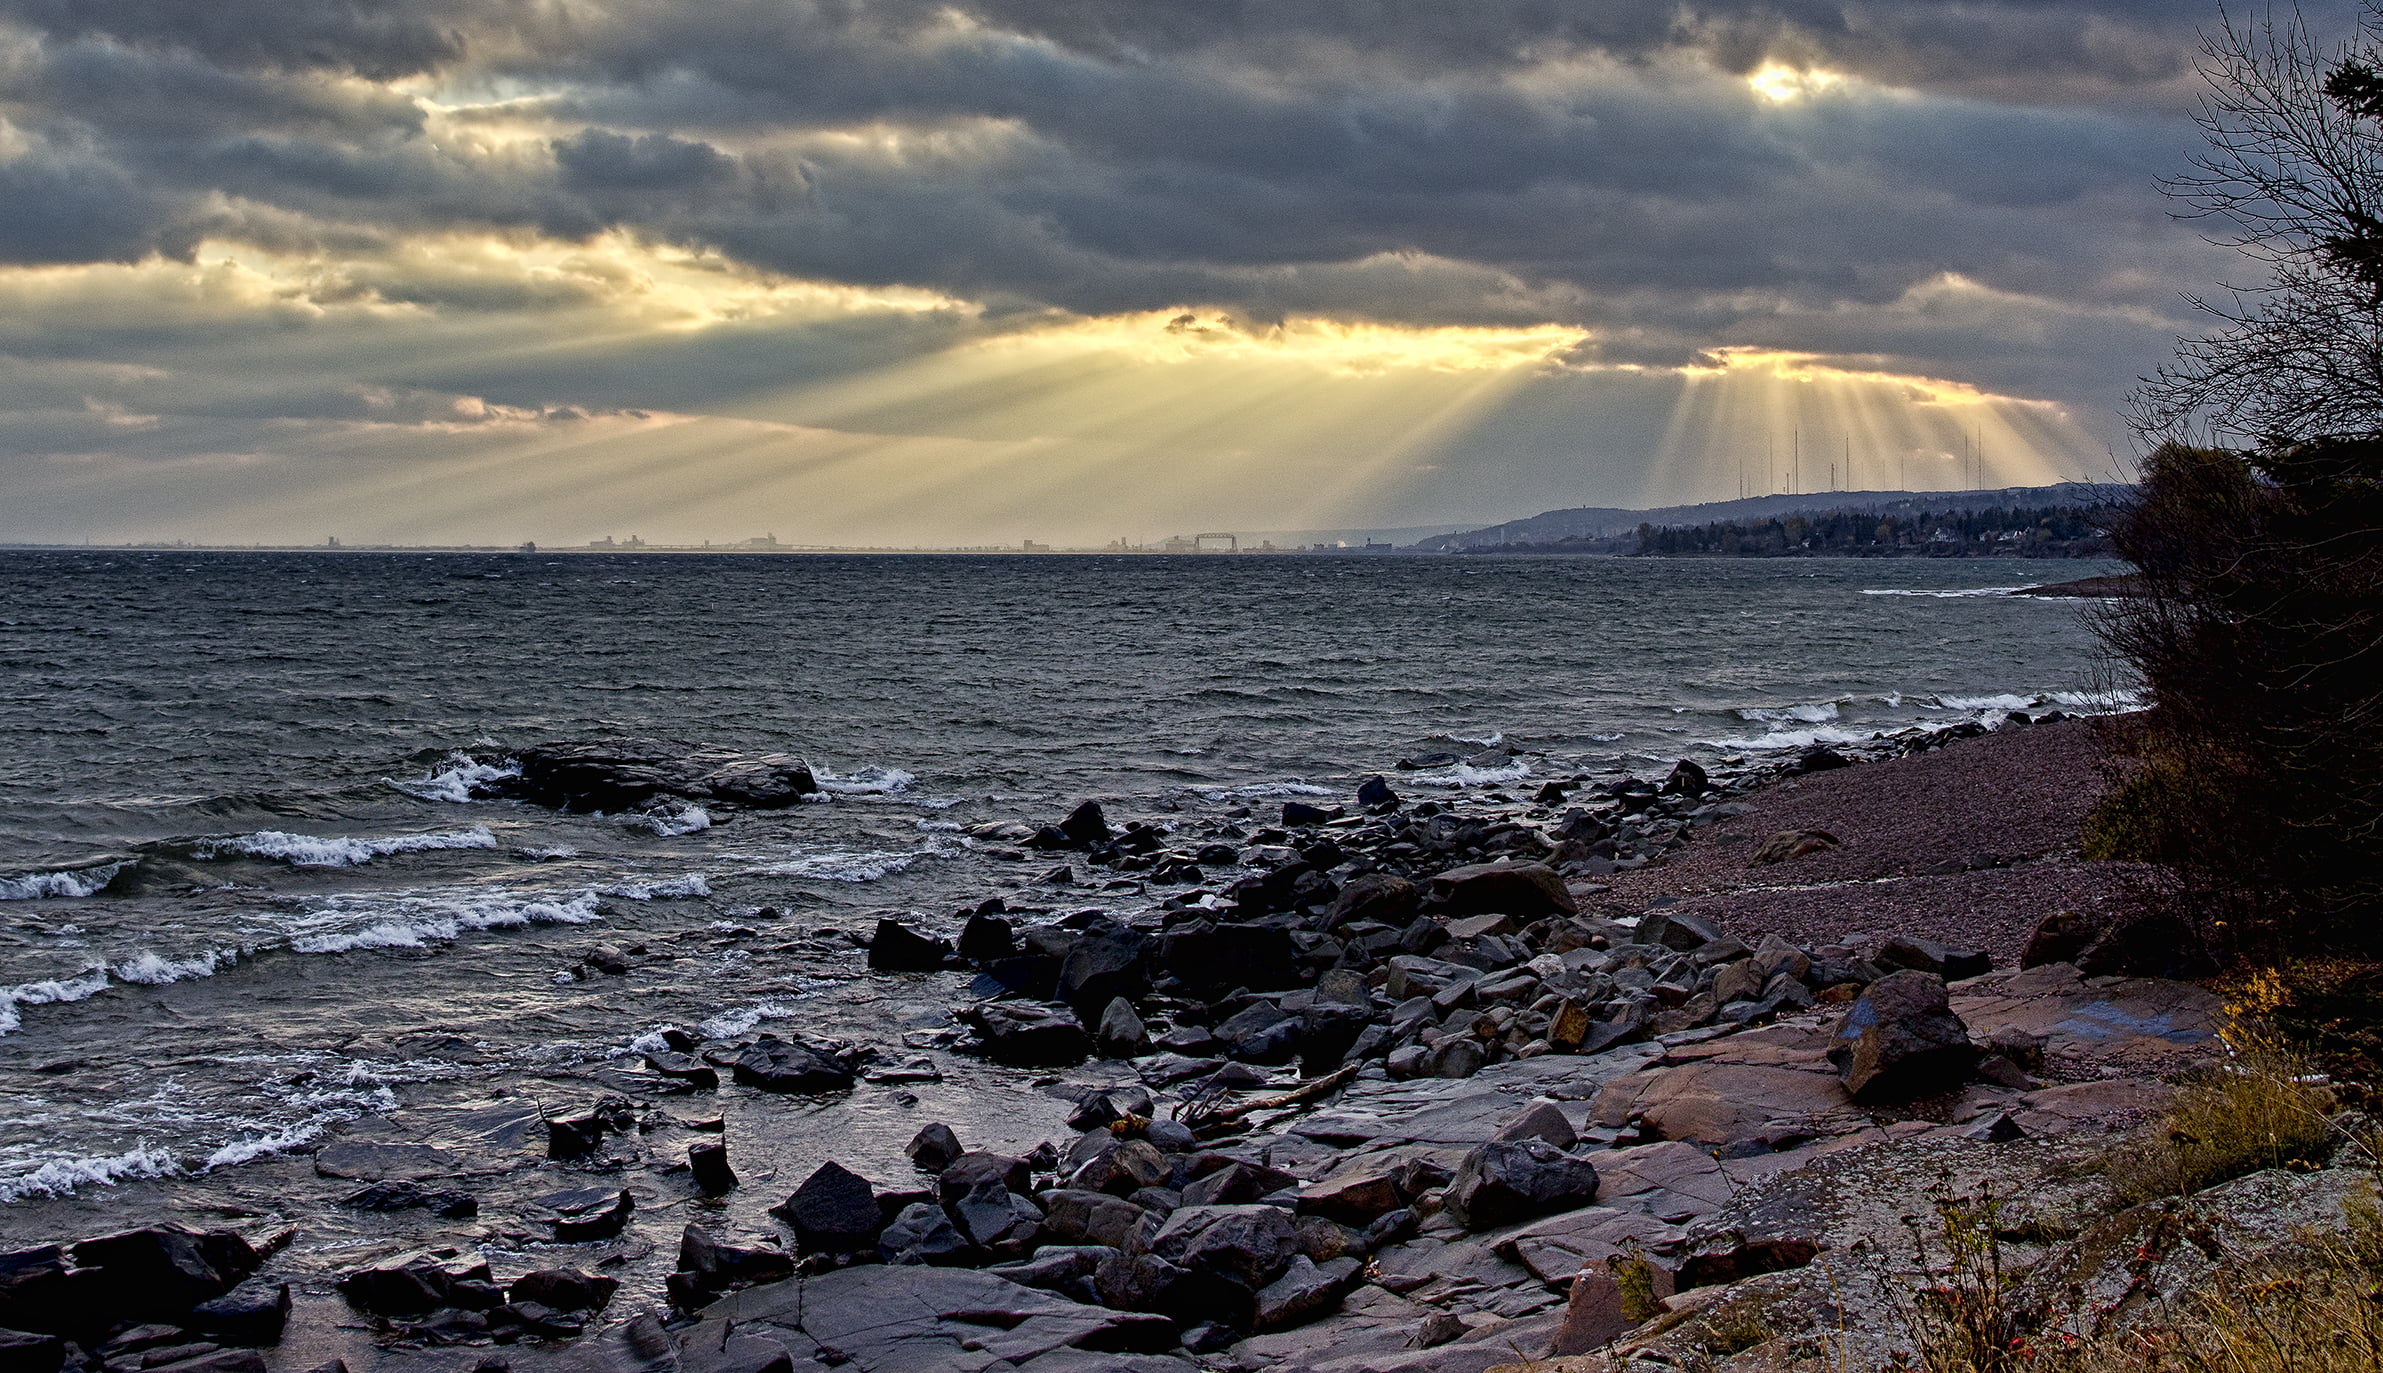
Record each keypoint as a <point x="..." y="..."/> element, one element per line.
<point x="2260" y="1109"/>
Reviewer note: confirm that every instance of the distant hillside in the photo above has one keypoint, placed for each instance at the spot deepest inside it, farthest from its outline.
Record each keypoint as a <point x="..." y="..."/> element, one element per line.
<point x="1599" y="522"/>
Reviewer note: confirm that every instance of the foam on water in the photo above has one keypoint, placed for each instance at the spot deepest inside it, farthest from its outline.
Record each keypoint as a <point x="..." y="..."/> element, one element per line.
<point x="47" y="992"/>
<point x="60" y="1175"/>
<point x="868" y="781"/>
<point x="344" y="924"/>
<point x="1963" y="593"/>
<point x="456" y="782"/>
<point x="670" y="820"/>
<point x="68" y="882"/>
<point x="1466" y="775"/>
<point x="1259" y="790"/>
<point x="845" y="865"/>
<point x="1818" y="712"/>
<point x="154" y="970"/>
<point x="317" y="851"/>
<point x="693" y="884"/>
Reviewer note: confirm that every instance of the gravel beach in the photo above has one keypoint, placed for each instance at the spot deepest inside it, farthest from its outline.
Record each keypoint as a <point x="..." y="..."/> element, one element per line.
<point x="1972" y="843"/>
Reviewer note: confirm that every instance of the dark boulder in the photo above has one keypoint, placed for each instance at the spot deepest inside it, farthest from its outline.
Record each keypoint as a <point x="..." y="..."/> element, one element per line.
<point x="158" y="1272"/>
<point x="1900" y="1039"/>
<point x="585" y="1214"/>
<point x="996" y="1219"/>
<point x="25" y="1351"/>
<point x="775" y="1065"/>
<point x="922" y="1233"/>
<point x="1686" y="779"/>
<point x="1375" y="796"/>
<point x="412" y="1284"/>
<point x="987" y="936"/>
<point x="1100" y="968"/>
<point x="835" y="1211"/>
<point x="253" y="1313"/>
<point x="1028" y="1034"/>
<point x="615" y="775"/>
<point x="1508" y="1180"/>
<point x="1948" y="961"/>
<point x="1121" y="1033"/>
<point x="1678" y="930"/>
<point x="1032" y="974"/>
<point x="1820" y="759"/>
<point x="1306" y="1290"/>
<point x="697" y="1074"/>
<point x="982" y="1165"/>
<point x="1525" y="891"/>
<point x="707" y="1268"/>
<point x="934" y="1148"/>
<point x="1300" y="815"/>
<point x="1378" y="896"/>
<point x="1248" y="1246"/>
<point x="2134" y="945"/>
<point x="563" y="1289"/>
<point x="1207" y="957"/>
<point x="707" y="1164"/>
<point x="896" y="948"/>
<point x="1261" y="1032"/>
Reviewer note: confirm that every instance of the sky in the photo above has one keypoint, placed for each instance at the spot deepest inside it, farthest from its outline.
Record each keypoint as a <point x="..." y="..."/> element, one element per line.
<point x="871" y="272"/>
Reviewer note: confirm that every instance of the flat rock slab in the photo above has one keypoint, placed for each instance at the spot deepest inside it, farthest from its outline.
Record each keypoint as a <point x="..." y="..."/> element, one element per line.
<point x="1464" y="1111"/>
<point x="895" y="1318"/>
<point x="1558" y="1247"/>
<point x="2094" y="1018"/>
<point x="1716" y="1103"/>
<point x="364" y="1162"/>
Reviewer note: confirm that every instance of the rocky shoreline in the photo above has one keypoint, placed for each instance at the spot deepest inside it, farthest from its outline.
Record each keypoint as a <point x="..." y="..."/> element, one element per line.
<point x="1383" y="1086"/>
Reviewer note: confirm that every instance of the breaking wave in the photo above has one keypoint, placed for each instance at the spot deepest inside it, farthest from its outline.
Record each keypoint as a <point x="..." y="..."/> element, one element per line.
<point x="33" y="886"/>
<point x="60" y="1176"/>
<point x="457" y="781"/>
<point x="317" y="851"/>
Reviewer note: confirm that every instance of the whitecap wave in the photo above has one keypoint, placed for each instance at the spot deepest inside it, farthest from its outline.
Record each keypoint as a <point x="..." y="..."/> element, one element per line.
<point x="59" y="1176"/>
<point x="68" y="882"/>
<point x="844" y="865"/>
<point x="1962" y="593"/>
<point x="1815" y="713"/>
<point x="1466" y="775"/>
<point x="693" y="884"/>
<point x="324" y="851"/>
<point x="1496" y="738"/>
<point x="670" y="820"/>
<point x="48" y="992"/>
<point x="1260" y="790"/>
<point x="868" y="781"/>
<point x="249" y="1150"/>
<point x="457" y="781"/>
<point x="155" y="970"/>
<point x="1777" y="739"/>
<point x="344" y="924"/>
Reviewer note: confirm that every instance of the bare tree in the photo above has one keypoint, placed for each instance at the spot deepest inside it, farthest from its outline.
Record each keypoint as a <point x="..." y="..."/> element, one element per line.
<point x="2293" y="178"/>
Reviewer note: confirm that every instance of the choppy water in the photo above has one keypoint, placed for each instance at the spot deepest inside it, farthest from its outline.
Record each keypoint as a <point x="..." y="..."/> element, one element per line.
<point x="242" y="898"/>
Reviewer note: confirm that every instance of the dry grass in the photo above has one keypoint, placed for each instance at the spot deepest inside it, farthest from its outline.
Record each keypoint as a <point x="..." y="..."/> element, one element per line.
<point x="2264" y="1107"/>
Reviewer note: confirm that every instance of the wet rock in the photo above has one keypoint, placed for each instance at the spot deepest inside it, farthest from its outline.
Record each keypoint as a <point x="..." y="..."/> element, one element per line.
<point x="1527" y="891"/>
<point x="934" y="1148"/>
<point x="408" y="1196"/>
<point x="922" y="1233"/>
<point x="1792" y="844"/>
<point x="23" y="1351"/>
<point x="1079" y="1216"/>
<point x="618" y="774"/>
<point x="411" y="1284"/>
<point x="1356" y="1197"/>
<point x="1249" y="1246"/>
<point x="834" y="1212"/>
<point x="1377" y="896"/>
<point x="157" y="1272"/>
<point x="707" y="1163"/>
<point x="707" y="1268"/>
<point x="896" y="948"/>
<point x="719" y="1347"/>
<point x="986" y="936"/>
<point x="1306" y="1290"/>
<point x="996" y="1219"/>
<point x="252" y="1313"/>
<point x="1686" y="779"/>
<point x="1123" y="1170"/>
<point x="1821" y="759"/>
<point x="1122" y="1033"/>
<point x="1900" y="1039"/>
<point x="1504" y="1181"/>
<point x="563" y="1289"/>
<point x="1456" y="1057"/>
<point x="1028" y="1034"/>
<point x="687" y="1068"/>
<point x="1375" y="796"/>
<point x="1542" y="1120"/>
<point x="1679" y="930"/>
<point x="1085" y="827"/>
<point x="585" y="1214"/>
<point x="1208" y="959"/>
<point x="1948" y="961"/>
<point x="1100" y="968"/>
<point x="1260" y="1033"/>
<point x="1056" y="1268"/>
<point x="982" y="1165"/>
<point x="1102" y="1108"/>
<point x="583" y="1133"/>
<point x="775" y="1065"/>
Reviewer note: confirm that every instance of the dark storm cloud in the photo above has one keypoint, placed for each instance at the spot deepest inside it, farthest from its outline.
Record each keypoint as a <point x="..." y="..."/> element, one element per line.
<point x="1413" y="161"/>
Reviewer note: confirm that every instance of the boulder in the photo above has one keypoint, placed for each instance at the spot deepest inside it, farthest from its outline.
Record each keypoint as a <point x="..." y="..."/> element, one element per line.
<point x="1086" y="827"/>
<point x="24" y="1351"/>
<point x="1504" y="1181"/>
<point x="1678" y="930"/>
<point x="697" y="1074"/>
<point x="979" y="1166"/>
<point x="1357" y="1197"/>
<point x="410" y="1284"/>
<point x="1686" y="779"/>
<point x="775" y="1065"/>
<point x="707" y="1268"/>
<point x="1122" y="1033"/>
<point x="1375" y="796"/>
<point x="834" y="1212"/>
<point x="896" y="948"/>
<point x="1541" y="1120"/>
<point x="1028" y="1034"/>
<point x="1379" y="896"/>
<point x="986" y="936"/>
<point x="1261" y="1032"/>
<point x="253" y="1313"/>
<point x="1792" y="844"/>
<point x="585" y="1214"/>
<point x="707" y="1164"/>
<point x="1306" y="1290"/>
<point x="1948" y="961"/>
<point x="1249" y="1246"/>
<point x="922" y="1233"/>
<point x="157" y="1272"/>
<point x="1526" y="891"/>
<point x="618" y="774"/>
<point x="934" y="1148"/>
<point x="1207" y="959"/>
<point x="1901" y="1039"/>
<point x="1301" y="815"/>
<point x="997" y="1219"/>
<point x="1079" y="1216"/>
<point x="563" y="1289"/>
<point x="1100" y="968"/>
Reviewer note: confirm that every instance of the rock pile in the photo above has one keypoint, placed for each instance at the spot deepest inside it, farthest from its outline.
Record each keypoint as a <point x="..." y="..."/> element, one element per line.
<point x="161" y="1297"/>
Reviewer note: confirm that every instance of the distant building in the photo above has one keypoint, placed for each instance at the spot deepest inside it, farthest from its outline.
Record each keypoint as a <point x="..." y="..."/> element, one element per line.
<point x="1030" y="546"/>
<point x="765" y="541"/>
<point x="332" y="542"/>
<point x="1180" y="544"/>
